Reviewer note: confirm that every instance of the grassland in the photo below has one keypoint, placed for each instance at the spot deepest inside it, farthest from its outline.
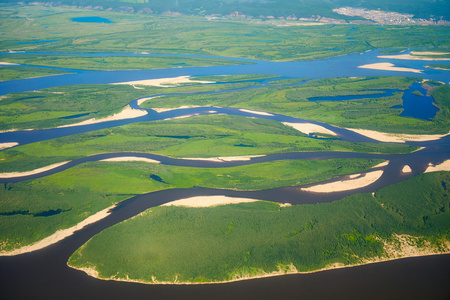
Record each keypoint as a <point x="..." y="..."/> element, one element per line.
<point x="107" y="63"/>
<point x="375" y="114"/>
<point x="13" y="73"/>
<point x="196" y="35"/>
<point x="62" y="200"/>
<point x="204" y="136"/>
<point x="179" y="244"/>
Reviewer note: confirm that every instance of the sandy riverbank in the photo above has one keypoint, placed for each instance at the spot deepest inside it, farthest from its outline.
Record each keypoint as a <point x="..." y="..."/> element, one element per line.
<point x="308" y="128"/>
<point x="208" y="201"/>
<point x="388" y="67"/>
<point x="3" y="63"/>
<point x="356" y="181"/>
<point x="8" y="145"/>
<point x="262" y="113"/>
<point x="399" y="247"/>
<point x="33" y="172"/>
<point x="445" y="166"/>
<point x="60" y="234"/>
<point x="126" y="113"/>
<point x="160" y="110"/>
<point x="225" y="158"/>
<point x="414" y="57"/>
<point x="132" y="158"/>
<point x="397" y="137"/>
<point x="164" y="82"/>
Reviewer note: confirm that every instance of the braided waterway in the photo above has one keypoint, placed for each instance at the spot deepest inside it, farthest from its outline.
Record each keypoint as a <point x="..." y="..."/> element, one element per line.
<point x="44" y="273"/>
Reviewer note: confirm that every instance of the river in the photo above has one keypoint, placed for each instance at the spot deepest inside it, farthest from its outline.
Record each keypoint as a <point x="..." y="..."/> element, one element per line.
<point x="44" y="273"/>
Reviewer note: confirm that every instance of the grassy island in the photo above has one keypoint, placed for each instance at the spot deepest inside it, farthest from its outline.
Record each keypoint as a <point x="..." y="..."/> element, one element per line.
<point x="239" y="241"/>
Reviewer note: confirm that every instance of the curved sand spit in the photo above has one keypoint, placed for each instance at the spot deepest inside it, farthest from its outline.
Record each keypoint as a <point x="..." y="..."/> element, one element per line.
<point x="164" y="82"/>
<point x="256" y="112"/>
<point x="346" y="185"/>
<point x="308" y="128"/>
<point x="207" y="201"/>
<point x="389" y="67"/>
<point x="60" y="234"/>
<point x="416" y="56"/>
<point x="132" y="158"/>
<point x="126" y="113"/>
<point x="8" y="145"/>
<point x="445" y="166"/>
<point x="225" y="158"/>
<point x="397" y="137"/>
<point x="36" y="171"/>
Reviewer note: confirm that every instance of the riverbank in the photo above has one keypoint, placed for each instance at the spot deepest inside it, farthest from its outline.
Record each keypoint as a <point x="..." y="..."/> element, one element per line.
<point x="389" y="67"/>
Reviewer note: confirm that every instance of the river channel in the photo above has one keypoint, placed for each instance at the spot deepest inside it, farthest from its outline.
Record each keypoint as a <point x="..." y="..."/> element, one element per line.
<point x="44" y="273"/>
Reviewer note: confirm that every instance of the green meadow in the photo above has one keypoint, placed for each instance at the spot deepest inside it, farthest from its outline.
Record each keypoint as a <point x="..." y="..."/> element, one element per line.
<point x="64" y="199"/>
<point x="214" y="244"/>
<point x="202" y="136"/>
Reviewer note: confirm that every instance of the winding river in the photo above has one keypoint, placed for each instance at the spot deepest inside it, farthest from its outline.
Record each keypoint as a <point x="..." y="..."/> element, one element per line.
<point x="44" y="273"/>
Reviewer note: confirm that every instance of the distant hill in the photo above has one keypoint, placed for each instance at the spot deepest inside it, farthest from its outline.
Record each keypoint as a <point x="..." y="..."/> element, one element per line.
<point x="437" y="9"/>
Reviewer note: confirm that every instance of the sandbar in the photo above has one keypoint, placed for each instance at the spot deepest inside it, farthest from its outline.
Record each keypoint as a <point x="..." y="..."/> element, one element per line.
<point x="207" y="201"/>
<point x="308" y="128"/>
<point x="132" y="158"/>
<point x="388" y="67"/>
<point x="383" y="164"/>
<point x="164" y="82"/>
<point x="406" y="169"/>
<point x="429" y="53"/>
<point x="346" y="185"/>
<point x="397" y="137"/>
<point x="445" y="166"/>
<point x="413" y="57"/>
<point x="8" y="145"/>
<point x="126" y="113"/>
<point x="3" y="63"/>
<point x="160" y="110"/>
<point x="255" y="112"/>
<point x="60" y="234"/>
<point x="181" y="117"/>
<point x="140" y="101"/>
<point x="36" y="171"/>
<point x="226" y="158"/>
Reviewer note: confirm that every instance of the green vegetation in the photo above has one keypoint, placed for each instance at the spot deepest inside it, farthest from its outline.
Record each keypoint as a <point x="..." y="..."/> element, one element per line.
<point x="86" y="189"/>
<point x="86" y="62"/>
<point x="45" y="108"/>
<point x="179" y="244"/>
<point x="439" y="66"/>
<point x="135" y="33"/>
<point x="375" y="114"/>
<point x="204" y="136"/>
<point x="12" y="73"/>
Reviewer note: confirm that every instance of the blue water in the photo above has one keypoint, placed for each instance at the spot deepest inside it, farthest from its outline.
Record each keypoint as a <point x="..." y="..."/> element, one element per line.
<point x="421" y="107"/>
<point x="91" y="20"/>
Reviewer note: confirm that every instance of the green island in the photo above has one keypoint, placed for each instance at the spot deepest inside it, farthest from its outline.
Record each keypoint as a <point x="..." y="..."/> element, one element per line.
<point x="239" y="241"/>
<point x="179" y="244"/>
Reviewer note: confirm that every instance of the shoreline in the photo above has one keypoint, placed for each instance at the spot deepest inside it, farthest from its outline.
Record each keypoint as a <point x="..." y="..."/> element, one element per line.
<point x="33" y="172"/>
<point x="309" y="128"/>
<point x="388" y="67"/>
<point x="93" y="273"/>
<point x="61" y="234"/>
<point x="397" y="137"/>
<point x="164" y="82"/>
<point x="413" y="57"/>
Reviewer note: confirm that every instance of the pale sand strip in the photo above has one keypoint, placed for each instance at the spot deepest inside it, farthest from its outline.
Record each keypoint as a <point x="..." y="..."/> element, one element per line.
<point x="8" y="145"/>
<point x="401" y="246"/>
<point x="308" y="128"/>
<point x="397" y="137"/>
<point x="126" y="113"/>
<point x="164" y="82"/>
<point x="383" y="164"/>
<point x="255" y="112"/>
<point x="2" y="63"/>
<point x="429" y="53"/>
<point x="132" y="158"/>
<point x="60" y="234"/>
<point x="388" y="67"/>
<point x="406" y="169"/>
<point x="36" y="171"/>
<point x="225" y="158"/>
<point x="160" y="110"/>
<point x="181" y="117"/>
<point x="345" y="185"/>
<point x="445" y="166"/>
<point x="412" y="57"/>
<point x="140" y="101"/>
<point x="207" y="201"/>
